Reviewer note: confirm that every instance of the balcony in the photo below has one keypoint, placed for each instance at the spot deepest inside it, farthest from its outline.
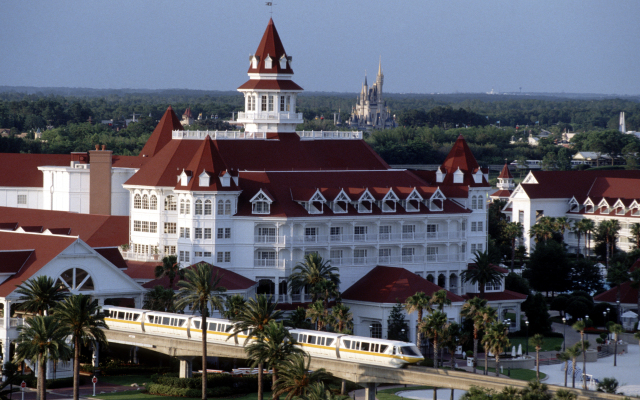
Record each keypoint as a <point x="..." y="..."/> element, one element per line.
<point x="132" y="256"/>
<point x="271" y="239"/>
<point x="376" y="238"/>
<point x="269" y="263"/>
<point x="334" y="135"/>
<point x="218" y="135"/>
<point x="270" y="116"/>
<point x="406" y="259"/>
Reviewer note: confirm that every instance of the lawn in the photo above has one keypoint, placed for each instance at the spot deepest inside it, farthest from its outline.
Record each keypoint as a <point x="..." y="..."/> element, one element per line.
<point x="390" y="394"/>
<point x="520" y="374"/>
<point x="550" y="344"/>
<point x="126" y="380"/>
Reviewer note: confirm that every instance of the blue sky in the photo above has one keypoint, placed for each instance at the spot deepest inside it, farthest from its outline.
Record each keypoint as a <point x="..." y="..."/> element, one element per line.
<point x="426" y="46"/>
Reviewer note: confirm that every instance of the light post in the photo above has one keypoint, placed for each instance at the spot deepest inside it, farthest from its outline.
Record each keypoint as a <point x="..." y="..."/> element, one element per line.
<point x="527" y="324"/>
<point x="564" y="331"/>
<point x="618" y="310"/>
<point x="402" y="331"/>
<point x="586" y="321"/>
<point x="604" y="318"/>
<point x="370" y="330"/>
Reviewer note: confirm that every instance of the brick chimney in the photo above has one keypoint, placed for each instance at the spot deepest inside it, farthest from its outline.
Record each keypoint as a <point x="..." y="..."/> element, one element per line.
<point x="100" y="181"/>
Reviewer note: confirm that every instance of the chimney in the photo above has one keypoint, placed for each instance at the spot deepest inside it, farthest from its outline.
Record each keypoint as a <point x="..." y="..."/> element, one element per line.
<point x="100" y="181"/>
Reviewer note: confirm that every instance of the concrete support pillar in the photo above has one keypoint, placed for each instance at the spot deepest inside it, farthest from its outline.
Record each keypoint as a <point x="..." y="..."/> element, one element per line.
<point x="134" y="354"/>
<point x="370" y="391"/>
<point x="186" y="367"/>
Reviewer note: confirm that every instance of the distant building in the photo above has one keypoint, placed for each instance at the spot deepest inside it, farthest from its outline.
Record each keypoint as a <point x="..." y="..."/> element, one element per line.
<point x="371" y="111"/>
<point x="187" y="117"/>
<point x="505" y="185"/>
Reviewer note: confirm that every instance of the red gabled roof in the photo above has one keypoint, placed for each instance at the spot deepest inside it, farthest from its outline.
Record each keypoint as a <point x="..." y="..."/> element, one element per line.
<point x="505" y="173"/>
<point x="392" y="285"/>
<point x="501" y="193"/>
<point x="270" y="84"/>
<point x="581" y="184"/>
<point x="162" y="134"/>
<point x="13" y="260"/>
<point x="187" y="113"/>
<point x="113" y="255"/>
<point x="45" y="248"/>
<point x="498" y="296"/>
<point x="141" y="270"/>
<point x="21" y="170"/>
<point x="96" y="230"/>
<point x="206" y="159"/>
<point x="228" y="279"/>
<point x="461" y="157"/>
<point x="628" y="295"/>
<point x="271" y="46"/>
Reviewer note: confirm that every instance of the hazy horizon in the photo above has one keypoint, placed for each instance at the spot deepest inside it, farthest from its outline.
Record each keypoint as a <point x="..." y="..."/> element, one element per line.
<point x="427" y="47"/>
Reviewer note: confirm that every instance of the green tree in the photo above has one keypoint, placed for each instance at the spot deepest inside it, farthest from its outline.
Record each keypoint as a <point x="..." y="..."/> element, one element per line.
<point x="298" y="319"/>
<point x="452" y="338"/>
<point x="581" y="326"/>
<point x="169" y="268"/>
<point x="418" y="302"/>
<point x="535" y="391"/>
<point x="84" y="319"/>
<point x="564" y="357"/>
<point x="589" y="227"/>
<point x="548" y="259"/>
<point x="318" y="391"/>
<point x="278" y="345"/>
<point x="472" y="309"/>
<point x="341" y="319"/>
<point x="635" y="235"/>
<point x="397" y="328"/>
<point x="38" y="295"/>
<point x="200" y="291"/>
<point x="233" y="306"/>
<point x="488" y="316"/>
<point x="496" y="340"/>
<point x="635" y="283"/>
<point x="513" y="231"/>
<point x="608" y="230"/>
<point x="537" y="341"/>
<point x="585" y="275"/>
<point x="616" y="329"/>
<point x="159" y="299"/>
<point x="296" y="377"/>
<point x="482" y="273"/>
<point x="318" y="314"/>
<point x="535" y="308"/>
<point x="312" y="271"/>
<point x="252" y="322"/>
<point x="434" y="326"/>
<point x="574" y="352"/>
<point x="439" y="300"/>
<point x="617" y="275"/>
<point x="608" y="385"/>
<point x="41" y="339"/>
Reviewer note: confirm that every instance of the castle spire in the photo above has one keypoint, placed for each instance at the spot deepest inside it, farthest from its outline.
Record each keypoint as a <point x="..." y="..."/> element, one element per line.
<point x="380" y="66"/>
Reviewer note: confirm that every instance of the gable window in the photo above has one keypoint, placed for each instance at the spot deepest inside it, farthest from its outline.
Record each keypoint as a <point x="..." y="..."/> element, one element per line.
<point x="620" y="211"/>
<point x="170" y="203"/>
<point x="261" y="207"/>
<point x="76" y="279"/>
<point x="137" y="201"/>
<point x="198" y="210"/>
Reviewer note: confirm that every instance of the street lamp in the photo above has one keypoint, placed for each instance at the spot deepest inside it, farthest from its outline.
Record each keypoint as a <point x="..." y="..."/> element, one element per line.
<point x="527" y="324"/>
<point x="604" y="318"/>
<point x="564" y="331"/>
<point x="618" y="303"/>
<point x="586" y="321"/>
<point x="370" y="330"/>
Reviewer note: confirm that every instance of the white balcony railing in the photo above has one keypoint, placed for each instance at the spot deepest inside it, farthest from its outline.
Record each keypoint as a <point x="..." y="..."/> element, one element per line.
<point x="406" y="259"/>
<point x="375" y="238"/>
<point x="15" y="322"/>
<point x="130" y="255"/>
<point x="345" y="135"/>
<point x="218" y="135"/>
<point x="268" y="263"/>
<point x="270" y="115"/>
<point x="269" y="239"/>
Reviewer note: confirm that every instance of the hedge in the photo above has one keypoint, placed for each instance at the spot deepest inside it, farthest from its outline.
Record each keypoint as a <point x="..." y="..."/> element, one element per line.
<point x="165" y="390"/>
<point x="132" y="370"/>
<point x="32" y="381"/>
<point x="240" y="383"/>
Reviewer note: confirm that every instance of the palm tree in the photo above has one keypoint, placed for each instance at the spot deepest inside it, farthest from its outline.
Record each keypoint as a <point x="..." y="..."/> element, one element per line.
<point x="496" y="340"/>
<point x="609" y="230"/>
<point x="482" y="273"/>
<point x="169" y="268"/>
<point x="637" y="336"/>
<point x="635" y="283"/>
<point x="581" y="326"/>
<point x="513" y="231"/>
<point x="439" y="299"/>
<point x="310" y="272"/>
<point x="341" y="319"/>
<point x="39" y="294"/>
<point x="452" y="337"/>
<point x="537" y="341"/>
<point x="41" y="339"/>
<point x="317" y="391"/>
<point x="417" y="303"/>
<point x="200" y="291"/>
<point x="574" y="352"/>
<point x="535" y="390"/>
<point x="563" y="394"/>
<point x="326" y="289"/>
<point x="487" y="316"/>
<point x="471" y="309"/>
<point x="318" y="314"/>
<point x="159" y="299"/>
<point x="298" y="319"/>
<point x="563" y="224"/>
<point x="589" y="227"/>
<point x="564" y="356"/>
<point x="296" y="377"/>
<point x="278" y="345"/>
<point x="252" y="321"/>
<point x="635" y="233"/>
<point x="233" y="306"/>
<point x="616" y="329"/>
<point x="434" y="326"/>
<point x="538" y="232"/>
<point x="578" y="229"/>
<point x="85" y="320"/>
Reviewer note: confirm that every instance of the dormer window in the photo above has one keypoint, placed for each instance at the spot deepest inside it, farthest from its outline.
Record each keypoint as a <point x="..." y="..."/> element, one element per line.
<point x="225" y="179"/>
<point x="574" y="206"/>
<point x="477" y="177"/>
<point x="620" y="211"/>
<point x="341" y="203"/>
<point x="254" y="61"/>
<point x="436" y="202"/>
<point x="283" y="62"/>
<point x="440" y="175"/>
<point x="365" y="202"/>
<point x="205" y="179"/>
<point x="389" y="202"/>
<point x="458" y="176"/>
<point x="185" y="177"/>
<point x="268" y="62"/>
<point x="635" y="211"/>
<point x="261" y="203"/>
<point x="603" y="207"/>
<point x="316" y="203"/>
<point x="412" y="202"/>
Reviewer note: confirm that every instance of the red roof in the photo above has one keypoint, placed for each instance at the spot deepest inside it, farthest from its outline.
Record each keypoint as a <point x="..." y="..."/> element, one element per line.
<point x="271" y="46"/>
<point x="95" y="230"/>
<point x="628" y="295"/>
<point x="162" y="134"/>
<point x="391" y="285"/>
<point x="206" y="159"/>
<point x="505" y="173"/>
<point x="581" y="184"/>
<point x="499" y="296"/>
<point x="228" y="279"/>
<point x="45" y="248"/>
<point x="13" y="260"/>
<point x="187" y="113"/>
<point x="113" y="255"/>
<point x="501" y="193"/>
<point x="270" y="84"/>
<point x="460" y="157"/>
<point x="141" y="270"/>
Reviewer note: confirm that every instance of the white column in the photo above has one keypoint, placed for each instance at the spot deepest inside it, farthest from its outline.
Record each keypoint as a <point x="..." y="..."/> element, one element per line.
<point x="7" y="315"/>
<point x="6" y="345"/>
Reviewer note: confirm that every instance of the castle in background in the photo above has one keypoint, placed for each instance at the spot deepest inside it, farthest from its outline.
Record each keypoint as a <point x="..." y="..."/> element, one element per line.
<point x="371" y="111"/>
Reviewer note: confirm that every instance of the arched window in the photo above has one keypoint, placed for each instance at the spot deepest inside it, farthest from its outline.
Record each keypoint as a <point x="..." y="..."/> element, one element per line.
<point x="430" y="278"/>
<point x="207" y="207"/>
<point x="76" y="279"/>
<point x="453" y="281"/>
<point x="441" y="280"/>
<point x="137" y="201"/>
<point x="187" y="208"/>
<point x="170" y="203"/>
<point x="220" y="207"/>
<point x="474" y="203"/>
<point x="153" y="203"/>
<point x="182" y="206"/>
<point x="227" y="207"/>
<point x="145" y="202"/>
<point x="480" y="203"/>
<point x="198" y="207"/>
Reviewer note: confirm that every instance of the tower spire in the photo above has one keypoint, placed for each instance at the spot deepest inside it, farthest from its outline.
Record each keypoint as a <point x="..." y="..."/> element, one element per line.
<point x="380" y="66"/>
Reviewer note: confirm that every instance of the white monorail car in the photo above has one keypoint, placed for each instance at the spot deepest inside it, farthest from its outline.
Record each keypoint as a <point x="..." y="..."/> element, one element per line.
<point x="330" y="345"/>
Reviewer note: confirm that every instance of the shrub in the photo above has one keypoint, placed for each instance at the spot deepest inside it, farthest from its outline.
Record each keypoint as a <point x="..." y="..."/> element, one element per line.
<point x="165" y="390"/>
<point x="32" y="381"/>
<point x="240" y="383"/>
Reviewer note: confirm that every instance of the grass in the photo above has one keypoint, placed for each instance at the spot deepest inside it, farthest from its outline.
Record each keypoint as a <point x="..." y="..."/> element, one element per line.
<point x="136" y="395"/>
<point x="518" y="373"/>
<point x="126" y="380"/>
<point x="390" y="394"/>
<point x="550" y="344"/>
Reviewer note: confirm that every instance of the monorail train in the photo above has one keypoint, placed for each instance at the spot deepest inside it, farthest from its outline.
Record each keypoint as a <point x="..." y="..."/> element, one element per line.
<point x="331" y="345"/>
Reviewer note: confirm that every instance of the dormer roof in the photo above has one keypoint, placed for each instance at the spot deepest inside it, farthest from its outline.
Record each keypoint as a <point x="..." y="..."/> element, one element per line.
<point x="460" y="157"/>
<point x="207" y="159"/>
<point x="162" y="134"/>
<point x="271" y="46"/>
<point x="505" y="173"/>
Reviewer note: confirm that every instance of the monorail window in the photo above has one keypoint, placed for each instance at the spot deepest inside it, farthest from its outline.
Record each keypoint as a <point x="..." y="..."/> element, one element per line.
<point x="303" y="338"/>
<point x="407" y="351"/>
<point x="294" y="336"/>
<point x="121" y="315"/>
<point x="165" y="320"/>
<point x="347" y="344"/>
<point x="365" y="346"/>
<point x="321" y="341"/>
<point x="181" y="322"/>
<point x="228" y="328"/>
<point x="197" y="324"/>
<point x="355" y="346"/>
<point x="150" y="317"/>
<point x="329" y="341"/>
<point x="375" y="347"/>
<point x="383" y="348"/>
<point x="212" y="326"/>
<point x="312" y="339"/>
<point x="135" y="316"/>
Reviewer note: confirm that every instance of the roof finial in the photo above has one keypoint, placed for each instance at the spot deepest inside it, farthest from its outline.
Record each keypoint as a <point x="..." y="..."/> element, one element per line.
<point x="270" y="5"/>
